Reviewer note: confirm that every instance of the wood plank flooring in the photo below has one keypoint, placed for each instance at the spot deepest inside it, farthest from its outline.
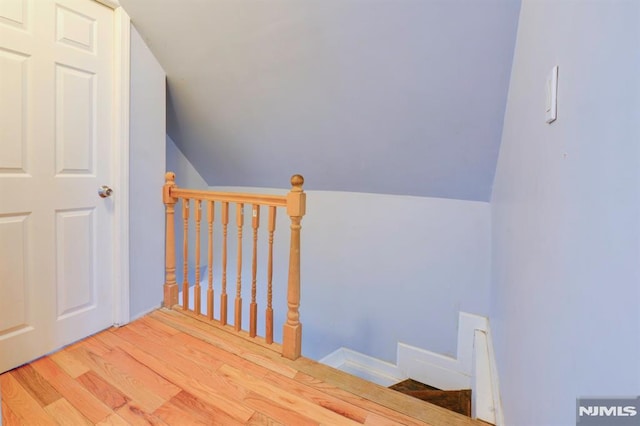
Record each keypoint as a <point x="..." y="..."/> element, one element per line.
<point x="171" y="369"/>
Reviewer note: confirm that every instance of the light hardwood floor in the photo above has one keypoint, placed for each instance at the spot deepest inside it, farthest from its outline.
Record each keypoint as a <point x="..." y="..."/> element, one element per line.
<point x="171" y="369"/>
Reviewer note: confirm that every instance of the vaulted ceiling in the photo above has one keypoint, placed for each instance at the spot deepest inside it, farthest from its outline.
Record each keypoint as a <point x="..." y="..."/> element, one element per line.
<point x="386" y="96"/>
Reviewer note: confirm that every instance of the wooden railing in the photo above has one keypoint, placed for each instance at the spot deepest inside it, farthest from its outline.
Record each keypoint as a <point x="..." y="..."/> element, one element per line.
<point x="294" y="202"/>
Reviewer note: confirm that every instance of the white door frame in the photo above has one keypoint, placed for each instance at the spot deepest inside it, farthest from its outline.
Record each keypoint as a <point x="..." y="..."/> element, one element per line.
<point x="122" y="31"/>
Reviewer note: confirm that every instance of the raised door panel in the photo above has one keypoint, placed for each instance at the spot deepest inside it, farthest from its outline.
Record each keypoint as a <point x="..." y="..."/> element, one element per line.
<point x="15" y="13"/>
<point x="13" y="270"/>
<point x="21" y="293"/>
<point x="14" y="71"/>
<point x="75" y="29"/>
<point x="75" y="121"/>
<point x="75" y="262"/>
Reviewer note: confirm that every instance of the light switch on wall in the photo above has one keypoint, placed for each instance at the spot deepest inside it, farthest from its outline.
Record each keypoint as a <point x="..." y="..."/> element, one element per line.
<point x="551" y="111"/>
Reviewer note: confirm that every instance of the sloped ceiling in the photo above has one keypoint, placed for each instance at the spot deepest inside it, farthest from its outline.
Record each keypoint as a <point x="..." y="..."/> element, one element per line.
<point x="385" y="96"/>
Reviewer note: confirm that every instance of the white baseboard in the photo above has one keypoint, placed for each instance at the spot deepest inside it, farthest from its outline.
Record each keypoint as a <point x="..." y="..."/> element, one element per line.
<point x="488" y="402"/>
<point x="472" y="368"/>
<point x="442" y="371"/>
<point x="363" y="366"/>
<point x="437" y="370"/>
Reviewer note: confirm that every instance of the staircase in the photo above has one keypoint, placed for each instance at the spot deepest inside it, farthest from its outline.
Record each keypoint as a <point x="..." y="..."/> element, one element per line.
<point x="458" y="401"/>
<point x="452" y="378"/>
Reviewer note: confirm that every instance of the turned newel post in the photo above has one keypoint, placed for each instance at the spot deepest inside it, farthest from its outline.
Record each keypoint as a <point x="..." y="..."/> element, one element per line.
<point x="170" y="285"/>
<point x="292" y="329"/>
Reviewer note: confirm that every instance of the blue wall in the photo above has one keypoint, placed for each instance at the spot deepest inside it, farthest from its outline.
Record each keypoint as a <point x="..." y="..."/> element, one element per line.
<point x="381" y="269"/>
<point x="146" y="177"/>
<point x="566" y="213"/>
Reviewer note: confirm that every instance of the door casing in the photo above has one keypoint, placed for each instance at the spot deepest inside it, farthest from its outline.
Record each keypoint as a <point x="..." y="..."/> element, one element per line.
<point x="122" y="46"/>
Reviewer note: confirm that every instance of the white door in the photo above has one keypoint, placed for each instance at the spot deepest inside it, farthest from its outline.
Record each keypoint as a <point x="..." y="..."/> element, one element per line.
<point x="56" y="150"/>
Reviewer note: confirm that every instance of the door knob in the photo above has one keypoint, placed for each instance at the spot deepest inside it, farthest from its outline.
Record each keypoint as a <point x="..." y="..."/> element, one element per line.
<point x="104" y="191"/>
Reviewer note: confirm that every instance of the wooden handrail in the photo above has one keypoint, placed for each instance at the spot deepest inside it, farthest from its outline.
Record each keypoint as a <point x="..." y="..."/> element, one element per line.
<point x="295" y="204"/>
<point x="230" y="197"/>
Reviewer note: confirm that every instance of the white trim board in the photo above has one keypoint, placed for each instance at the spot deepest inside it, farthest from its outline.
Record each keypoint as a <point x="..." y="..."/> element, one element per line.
<point x="363" y="366"/>
<point x="472" y="368"/>
<point x="122" y="22"/>
<point x="487" y="403"/>
<point x="442" y="371"/>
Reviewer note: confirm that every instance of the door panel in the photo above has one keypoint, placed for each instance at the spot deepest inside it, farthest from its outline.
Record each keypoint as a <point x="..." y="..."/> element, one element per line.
<point x="14" y="69"/>
<point x="75" y="121"/>
<point x="76" y="257"/>
<point x="75" y="29"/>
<point x="56" y="150"/>
<point x="14" y="13"/>
<point x="13" y="268"/>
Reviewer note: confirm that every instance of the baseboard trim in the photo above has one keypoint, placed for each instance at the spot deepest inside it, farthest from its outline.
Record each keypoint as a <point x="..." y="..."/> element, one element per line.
<point x="363" y="366"/>
<point x="442" y="371"/>
<point x="434" y="369"/>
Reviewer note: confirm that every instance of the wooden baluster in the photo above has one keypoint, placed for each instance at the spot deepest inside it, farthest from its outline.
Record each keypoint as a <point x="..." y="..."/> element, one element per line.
<point x="170" y="285"/>
<point x="238" y="305"/>
<point x="196" y="290"/>
<point x="292" y="329"/>
<point x="269" y="313"/>
<point x="223" y="294"/>
<point x="185" y="254"/>
<point x="210" y="218"/>
<point x="253" y="308"/>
